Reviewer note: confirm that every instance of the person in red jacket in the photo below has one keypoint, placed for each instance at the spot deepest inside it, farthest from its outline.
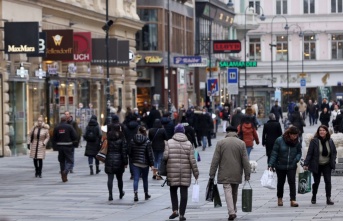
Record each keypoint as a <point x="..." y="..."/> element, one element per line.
<point x="247" y="132"/>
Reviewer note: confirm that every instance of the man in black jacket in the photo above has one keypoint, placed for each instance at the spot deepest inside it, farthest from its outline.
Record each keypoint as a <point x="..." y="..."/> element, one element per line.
<point x="63" y="137"/>
<point x="237" y="117"/>
<point x="276" y="110"/>
<point x="271" y="131"/>
<point x="78" y="131"/>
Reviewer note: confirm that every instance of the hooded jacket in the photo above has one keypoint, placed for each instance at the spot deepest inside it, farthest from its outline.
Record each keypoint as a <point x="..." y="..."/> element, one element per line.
<point x="249" y="134"/>
<point x="116" y="157"/>
<point x="38" y="139"/>
<point x="140" y="150"/>
<point x="93" y="147"/>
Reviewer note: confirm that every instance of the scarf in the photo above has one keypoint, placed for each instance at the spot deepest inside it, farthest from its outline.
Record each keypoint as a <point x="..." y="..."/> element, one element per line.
<point x="325" y="151"/>
<point x="289" y="141"/>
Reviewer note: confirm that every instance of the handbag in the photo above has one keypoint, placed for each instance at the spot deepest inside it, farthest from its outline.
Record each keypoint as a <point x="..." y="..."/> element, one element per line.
<point x="304" y="182"/>
<point x="209" y="190"/>
<point x="216" y="197"/>
<point x="101" y="156"/>
<point x="162" y="168"/>
<point x="269" y="179"/>
<point x="246" y="198"/>
<point x="195" y="192"/>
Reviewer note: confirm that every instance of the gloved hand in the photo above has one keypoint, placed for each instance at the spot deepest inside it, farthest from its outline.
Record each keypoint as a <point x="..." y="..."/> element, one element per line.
<point x="28" y="146"/>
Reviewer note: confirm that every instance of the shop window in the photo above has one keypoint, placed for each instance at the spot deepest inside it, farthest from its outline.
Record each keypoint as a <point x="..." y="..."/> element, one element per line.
<point x="255" y="49"/>
<point x="281" y="7"/>
<point x="337" y="47"/>
<point x="281" y="48"/>
<point x="309" y="47"/>
<point x="309" y="6"/>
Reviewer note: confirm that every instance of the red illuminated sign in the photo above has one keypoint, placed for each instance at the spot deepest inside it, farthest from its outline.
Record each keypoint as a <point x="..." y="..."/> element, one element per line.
<point x="226" y="46"/>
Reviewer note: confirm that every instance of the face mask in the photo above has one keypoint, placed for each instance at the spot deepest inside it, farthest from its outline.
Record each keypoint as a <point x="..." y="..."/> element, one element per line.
<point x="136" y="112"/>
<point x="203" y="112"/>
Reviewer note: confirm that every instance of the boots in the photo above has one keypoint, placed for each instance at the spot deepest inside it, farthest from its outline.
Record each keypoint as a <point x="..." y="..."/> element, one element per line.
<point x="294" y="203"/>
<point x="154" y="173"/>
<point x="122" y="193"/>
<point x="329" y="201"/>
<point x="110" y="197"/>
<point x="313" y="199"/>
<point x="97" y="169"/>
<point x="279" y="202"/>
<point x="40" y="173"/>
<point x="136" y="197"/>
<point x="147" y="196"/>
<point x="36" y="173"/>
<point x="91" y="169"/>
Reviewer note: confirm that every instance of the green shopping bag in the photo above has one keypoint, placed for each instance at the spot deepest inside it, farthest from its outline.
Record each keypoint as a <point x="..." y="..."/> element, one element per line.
<point x="304" y="182"/>
<point x="246" y="198"/>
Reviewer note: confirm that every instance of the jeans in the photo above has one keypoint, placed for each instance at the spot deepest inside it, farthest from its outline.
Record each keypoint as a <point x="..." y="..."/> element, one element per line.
<point x="137" y="171"/>
<point x="231" y="192"/>
<point x="183" y="199"/>
<point x="326" y="171"/>
<point x="90" y="161"/>
<point x="65" y="157"/>
<point x="281" y="179"/>
<point x="204" y="141"/>
<point x="249" y="150"/>
<point x="158" y="157"/>
<point x="209" y="138"/>
<point x="312" y="119"/>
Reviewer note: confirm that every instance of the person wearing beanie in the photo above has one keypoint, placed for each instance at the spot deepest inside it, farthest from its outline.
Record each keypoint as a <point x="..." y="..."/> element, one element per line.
<point x="179" y="129"/>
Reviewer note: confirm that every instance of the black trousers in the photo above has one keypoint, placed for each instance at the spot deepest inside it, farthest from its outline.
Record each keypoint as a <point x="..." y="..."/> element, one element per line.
<point x="281" y="179"/>
<point x="326" y="171"/>
<point x="183" y="199"/>
<point x="38" y="165"/>
<point x="66" y="158"/>
<point x="110" y="177"/>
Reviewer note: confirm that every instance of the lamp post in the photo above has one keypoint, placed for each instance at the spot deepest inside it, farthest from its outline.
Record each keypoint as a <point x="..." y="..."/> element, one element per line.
<point x="262" y="17"/>
<point x="169" y="72"/>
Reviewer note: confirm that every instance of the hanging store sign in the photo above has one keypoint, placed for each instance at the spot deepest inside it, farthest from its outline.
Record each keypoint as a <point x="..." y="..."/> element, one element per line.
<point x="41" y="47"/>
<point x="60" y="45"/>
<point x="153" y="59"/>
<point x="237" y="64"/>
<point x="226" y="46"/>
<point x="187" y="60"/>
<point x="124" y="54"/>
<point x="99" y="52"/>
<point x="82" y="47"/>
<point x="21" y="37"/>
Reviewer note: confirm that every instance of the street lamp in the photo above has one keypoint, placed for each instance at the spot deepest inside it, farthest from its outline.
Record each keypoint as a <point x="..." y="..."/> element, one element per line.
<point x="169" y="72"/>
<point x="262" y="17"/>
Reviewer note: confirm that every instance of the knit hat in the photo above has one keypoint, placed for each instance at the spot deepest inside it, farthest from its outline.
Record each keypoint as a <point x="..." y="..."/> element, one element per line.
<point x="179" y="129"/>
<point x="231" y="129"/>
<point x="115" y="118"/>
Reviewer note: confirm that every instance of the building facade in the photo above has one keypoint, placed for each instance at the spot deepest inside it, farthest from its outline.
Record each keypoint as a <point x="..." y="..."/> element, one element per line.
<point x="78" y="87"/>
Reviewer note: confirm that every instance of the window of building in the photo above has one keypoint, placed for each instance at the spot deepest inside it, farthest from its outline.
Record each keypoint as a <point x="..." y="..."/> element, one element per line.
<point x="255" y="49"/>
<point x="281" y="48"/>
<point x="189" y="36"/>
<point x="309" y="7"/>
<point x="178" y="34"/>
<point x="256" y="5"/>
<point x="336" y="6"/>
<point x="281" y="7"/>
<point x="310" y="47"/>
<point x="337" y="47"/>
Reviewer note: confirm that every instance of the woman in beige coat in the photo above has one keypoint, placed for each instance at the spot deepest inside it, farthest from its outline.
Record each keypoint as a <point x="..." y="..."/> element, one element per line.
<point x="181" y="163"/>
<point x="38" y="139"/>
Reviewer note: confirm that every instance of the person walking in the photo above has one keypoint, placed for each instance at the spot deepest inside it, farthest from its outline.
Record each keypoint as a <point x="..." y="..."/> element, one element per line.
<point x="179" y="155"/>
<point x="321" y="159"/>
<point x="311" y="111"/>
<point x="237" y="117"/>
<point x="231" y="159"/>
<point x="78" y="131"/>
<point x="157" y="135"/>
<point x="142" y="157"/>
<point x="276" y="110"/>
<point x="324" y="117"/>
<point x="93" y="137"/>
<point x="271" y="131"/>
<point x="63" y="137"/>
<point x="116" y="158"/>
<point x="284" y="158"/>
<point x="248" y="133"/>
<point x="302" y="108"/>
<point x="39" y="137"/>
<point x="298" y="121"/>
<point x="203" y="127"/>
<point x="225" y="117"/>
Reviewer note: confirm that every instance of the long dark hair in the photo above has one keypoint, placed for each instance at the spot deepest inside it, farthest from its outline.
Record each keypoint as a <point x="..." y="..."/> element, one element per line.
<point x="327" y="137"/>
<point x="115" y="132"/>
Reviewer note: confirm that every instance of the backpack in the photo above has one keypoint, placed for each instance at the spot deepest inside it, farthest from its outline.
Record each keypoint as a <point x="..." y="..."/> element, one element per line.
<point x="91" y="134"/>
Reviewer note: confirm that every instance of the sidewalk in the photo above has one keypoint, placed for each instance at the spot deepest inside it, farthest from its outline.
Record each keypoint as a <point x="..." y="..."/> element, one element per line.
<point x="85" y="197"/>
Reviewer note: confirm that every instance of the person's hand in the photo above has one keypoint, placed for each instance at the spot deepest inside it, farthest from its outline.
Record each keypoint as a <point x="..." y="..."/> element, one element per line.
<point x="196" y="177"/>
<point x="305" y="167"/>
<point x="28" y="146"/>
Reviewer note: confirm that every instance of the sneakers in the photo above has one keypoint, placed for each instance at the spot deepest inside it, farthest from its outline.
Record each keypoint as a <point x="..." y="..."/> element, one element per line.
<point x="174" y="215"/>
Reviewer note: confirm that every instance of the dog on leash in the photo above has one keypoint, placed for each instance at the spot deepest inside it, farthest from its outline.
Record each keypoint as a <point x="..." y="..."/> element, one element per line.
<point x="253" y="166"/>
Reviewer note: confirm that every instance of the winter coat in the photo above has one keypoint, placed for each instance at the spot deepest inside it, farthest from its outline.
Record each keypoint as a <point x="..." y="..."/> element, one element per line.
<point x="249" y="134"/>
<point x="181" y="163"/>
<point x="168" y="126"/>
<point x="312" y="157"/>
<point x="231" y="158"/>
<point x="203" y="123"/>
<point x="325" y="118"/>
<point x="298" y="121"/>
<point x="276" y="110"/>
<point x="284" y="156"/>
<point x="311" y="109"/>
<point x="38" y="139"/>
<point x="190" y="134"/>
<point x="271" y="131"/>
<point x="236" y="119"/>
<point x="93" y="147"/>
<point x="153" y="115"/>
<point x="116" y="157"/>
<point x="157" y="136"/>
<point x="130" y="130"/>
<point x="140" y="150"/>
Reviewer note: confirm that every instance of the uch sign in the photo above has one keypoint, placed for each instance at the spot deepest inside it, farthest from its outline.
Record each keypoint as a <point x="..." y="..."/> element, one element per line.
<point x="21" y="37"/>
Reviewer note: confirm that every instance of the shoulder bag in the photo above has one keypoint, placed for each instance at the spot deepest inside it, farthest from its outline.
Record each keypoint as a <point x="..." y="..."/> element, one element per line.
<point x="101" y="156"/>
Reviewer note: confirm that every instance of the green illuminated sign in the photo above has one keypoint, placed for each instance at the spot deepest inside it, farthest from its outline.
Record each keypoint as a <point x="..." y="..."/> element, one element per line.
<point x="237" y="64"/>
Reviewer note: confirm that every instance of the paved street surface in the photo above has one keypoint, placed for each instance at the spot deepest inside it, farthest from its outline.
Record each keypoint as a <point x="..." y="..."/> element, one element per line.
<point x="85" y="197"/>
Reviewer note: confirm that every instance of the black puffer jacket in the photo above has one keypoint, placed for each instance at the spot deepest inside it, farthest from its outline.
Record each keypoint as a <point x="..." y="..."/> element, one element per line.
<point x="168" y="126"/>
<point x="93" y="147"/>
<point x="131" y="129"/>
<point x="140" y="150"/>
<point x="116" y="157"/>
<point x="157" y="136"/>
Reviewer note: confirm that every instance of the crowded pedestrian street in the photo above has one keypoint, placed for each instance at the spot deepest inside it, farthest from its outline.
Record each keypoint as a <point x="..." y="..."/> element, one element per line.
<point x="85" y="197"/>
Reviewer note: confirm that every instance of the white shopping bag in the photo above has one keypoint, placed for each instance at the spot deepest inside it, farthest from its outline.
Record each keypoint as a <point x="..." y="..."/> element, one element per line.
<point x="269" y="179"/>
<point x="195" y="192"/>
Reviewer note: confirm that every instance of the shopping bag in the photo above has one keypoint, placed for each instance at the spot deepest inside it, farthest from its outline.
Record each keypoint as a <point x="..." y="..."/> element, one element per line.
<point x="101" y="156"/>
<point x="216" y="197"/>
<point x="304" y="182"/>
<point x="162" y="168"/>
<point x="198" y="159"/>
<point x="269" y="179"/>
<point x="246" y="198"/>
<point x="195" y="192"/>
<point x="209" y="190"/>
<point x="196" y="155"/>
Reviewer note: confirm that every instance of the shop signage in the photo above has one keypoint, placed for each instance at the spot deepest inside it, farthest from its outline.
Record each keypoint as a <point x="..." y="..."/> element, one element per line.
<point x="99" y="52"/>
<point x="82" y="47"/>
<point x="123" y="55"/>
<point x="59" y="45"/>
<point x="41" y="47"/>
<point x="237" y="64"/>
<point x="232" y="80"/>
<point x="226" y="46"/>
<point x="153" y="59"/>
<point x="187" y="59"/>
<point x="21" y="37"/>
<point x="212" y="87"/>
